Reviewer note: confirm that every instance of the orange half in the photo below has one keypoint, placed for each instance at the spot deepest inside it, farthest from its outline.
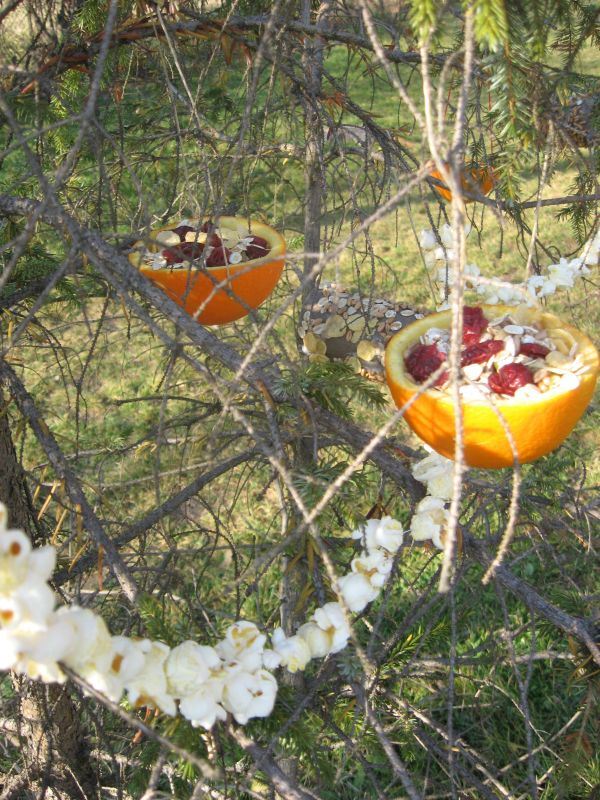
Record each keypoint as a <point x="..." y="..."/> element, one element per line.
<point x="537" y="425"/>
<point x="218" y="295"/>
<point x="473" y="180"/>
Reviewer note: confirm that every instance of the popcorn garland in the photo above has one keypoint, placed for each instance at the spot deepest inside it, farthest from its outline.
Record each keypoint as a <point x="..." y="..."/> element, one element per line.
<point x="204" y="683"/>
<point x="493" y="292"/>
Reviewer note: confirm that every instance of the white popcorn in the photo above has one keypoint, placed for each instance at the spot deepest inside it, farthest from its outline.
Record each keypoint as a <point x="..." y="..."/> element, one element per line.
<point x="429" y="520"/>
<point x="436" y="472"/>
<point x="188" y="666"/>
<point x="247" y="695"/>
<point x="385" y="533"/>
<point x="357" y="591"/>
<point x="331" y="619"/>
<point x="203" y="707"/>
<point x="149" y="686"/>
<point x="319" y="641"/>
<point x="446" y="235"/>
<point x="375" y="566"/>
<point x="92" y="646"/>
<point x="293" y="651"/>
<point x="33" y="601"/>
<point x="427" y="240"/>
<point x="241" y="640"/>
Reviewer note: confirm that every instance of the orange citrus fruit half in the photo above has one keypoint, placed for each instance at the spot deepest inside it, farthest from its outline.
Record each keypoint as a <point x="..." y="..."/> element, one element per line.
<point x="476" y="180"/>
<point x="221" y="294"/>
<point x="537" y="425"/>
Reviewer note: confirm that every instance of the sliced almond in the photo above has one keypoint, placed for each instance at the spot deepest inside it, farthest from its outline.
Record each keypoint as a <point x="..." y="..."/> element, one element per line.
<point x="334" y="327"/>
<point x="557" y="358"/>
<point x="166" y="237"/>
<point x="366" y="350"/>
<point x="196" y="236"/>
<point x="473" y="371"/>
<point x="354" y="363"/>
<point x="314" y="345"/>
<point x="356" y="323"/>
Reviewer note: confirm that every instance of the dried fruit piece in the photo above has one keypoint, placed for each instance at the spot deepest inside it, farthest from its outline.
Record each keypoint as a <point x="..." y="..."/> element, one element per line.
<point x="186" y="251"/>
<point x="509" y="378"/>
<point x="257" y="248"/>
<point x="533" y="349"/>
<point x="480" y="352"/>
<point x="474" y="324"/>
<point x="218" y="257"/>
<point x="422" y="361"/>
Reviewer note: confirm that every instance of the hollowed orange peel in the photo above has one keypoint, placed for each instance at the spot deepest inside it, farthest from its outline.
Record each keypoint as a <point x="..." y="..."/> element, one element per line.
<point x="537" y="425"/>
<point x="475" y="180"/>
<point x="244" y="286"/>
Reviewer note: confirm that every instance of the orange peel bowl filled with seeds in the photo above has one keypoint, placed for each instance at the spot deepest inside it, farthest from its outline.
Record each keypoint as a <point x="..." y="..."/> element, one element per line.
<point x="217" y="271"/>
<point x="525" y="364"/>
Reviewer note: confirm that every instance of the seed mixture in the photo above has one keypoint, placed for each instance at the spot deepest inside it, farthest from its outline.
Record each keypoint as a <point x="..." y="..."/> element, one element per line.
<point x="500" y="356"/>
<point x="346" y="326"/>
<point x="216" y="246"/>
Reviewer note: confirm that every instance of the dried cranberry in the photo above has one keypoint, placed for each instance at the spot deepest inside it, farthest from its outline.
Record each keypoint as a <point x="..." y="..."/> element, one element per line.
<point x="206" y="226"/>
<point x="474" y="324"/>
<point x="509" y="378"/>
<point x="533" y="349"/>
<point x="480" y="352"/>
<point x="218" y="257"/>
<point x="181" y="231"/>
<point x="214" y="240"/>
<point x="186" y="251"/>
<point x="257" y="248"/>
<point x="423" y="360"/>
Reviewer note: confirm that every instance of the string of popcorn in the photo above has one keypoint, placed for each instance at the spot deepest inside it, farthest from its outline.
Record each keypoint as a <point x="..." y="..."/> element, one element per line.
<point x="560" y="276"/>
<point x="202" y="682"/>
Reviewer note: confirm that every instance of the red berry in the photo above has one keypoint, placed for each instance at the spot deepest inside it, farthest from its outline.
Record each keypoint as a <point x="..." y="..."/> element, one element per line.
<point x="423" y="360"/>
<point x="533" y="349"/>
<point x="214" y="240"/>
<point x="474" y="324"/>
<point x="218" y="257"/>
<point x="181" y="231"/>
<point x="186" y="251"/>
<point x="480" y="352"/>
<point x="509" y="378"/>
<point x="258" y="248"/>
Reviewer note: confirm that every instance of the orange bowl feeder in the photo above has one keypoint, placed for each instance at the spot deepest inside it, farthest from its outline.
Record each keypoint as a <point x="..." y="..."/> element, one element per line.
<point x="475" y="180"/>
<point x="537" y="425"/>
<point x="222" y="294"/>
